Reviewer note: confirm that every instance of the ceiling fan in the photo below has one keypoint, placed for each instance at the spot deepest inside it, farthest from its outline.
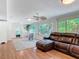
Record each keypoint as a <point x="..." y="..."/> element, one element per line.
<point x="38" y="17"/>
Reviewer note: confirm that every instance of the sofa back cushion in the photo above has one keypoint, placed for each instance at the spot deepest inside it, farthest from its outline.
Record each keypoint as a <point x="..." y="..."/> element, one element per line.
<point x="54" y="38"/>
<point x="64" y="37"/>
<point x="76" y="40"/>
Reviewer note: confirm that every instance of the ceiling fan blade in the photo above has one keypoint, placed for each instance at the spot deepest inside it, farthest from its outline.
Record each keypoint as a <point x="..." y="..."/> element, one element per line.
<point x="2" y="20"/>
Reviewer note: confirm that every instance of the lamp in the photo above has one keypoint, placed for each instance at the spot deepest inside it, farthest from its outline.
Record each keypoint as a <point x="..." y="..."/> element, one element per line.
<point x="67" y="1"/>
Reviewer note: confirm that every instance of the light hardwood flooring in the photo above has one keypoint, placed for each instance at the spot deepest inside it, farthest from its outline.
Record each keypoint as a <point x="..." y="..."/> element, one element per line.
<point x="8" y="51"/>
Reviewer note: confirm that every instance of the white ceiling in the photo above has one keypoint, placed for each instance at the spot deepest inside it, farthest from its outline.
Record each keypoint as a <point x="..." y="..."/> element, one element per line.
<point x="20" y="9"/>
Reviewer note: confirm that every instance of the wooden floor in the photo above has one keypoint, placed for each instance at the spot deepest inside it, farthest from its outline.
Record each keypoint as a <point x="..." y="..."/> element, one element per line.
<point x="7" y="51"/>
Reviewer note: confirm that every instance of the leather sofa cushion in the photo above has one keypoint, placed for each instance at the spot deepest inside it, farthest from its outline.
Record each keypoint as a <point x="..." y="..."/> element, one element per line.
<point x="45" y="45"/>
<point x="54" y="37"/>
<point x="74" y="50"/>
<point x="68" y="34"/>
<point x="70" y="38"/>
<point x="77" y="35"/>
<point x="67" y="40"/>
<point x="44" y="42"/>
<point x="63" y="39"/>
<point x="61" y="45"/>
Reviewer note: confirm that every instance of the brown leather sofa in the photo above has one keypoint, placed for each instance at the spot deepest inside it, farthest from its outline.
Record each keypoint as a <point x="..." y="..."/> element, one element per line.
<point x="66" y="42"/>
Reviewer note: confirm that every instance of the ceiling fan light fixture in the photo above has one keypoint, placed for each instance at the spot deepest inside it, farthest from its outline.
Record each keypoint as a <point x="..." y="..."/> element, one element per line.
<point x="29" y="19"/>
<point x="67" y="1"/>
<point x="43" y="18"/>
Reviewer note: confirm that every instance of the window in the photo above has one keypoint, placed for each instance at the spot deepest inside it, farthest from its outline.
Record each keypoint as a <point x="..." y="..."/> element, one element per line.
<point x="31" y="28"/>
<point x="18" y="31"/>
<point x="45" y="29"/>
<point x="69" y="25"/>
<point x="62" y="26"/>
<point x="42" y="28"/>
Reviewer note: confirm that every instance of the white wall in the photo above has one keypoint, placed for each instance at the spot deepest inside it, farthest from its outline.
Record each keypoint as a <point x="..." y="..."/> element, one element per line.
<point x="3" y="24"/>
<point x="12" y="26"/>
<point x="11" y="31"/>
<point x="3" y="31"/>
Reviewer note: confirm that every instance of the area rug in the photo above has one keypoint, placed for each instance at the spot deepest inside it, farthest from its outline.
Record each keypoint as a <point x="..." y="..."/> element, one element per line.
<point x="24" y="44"/>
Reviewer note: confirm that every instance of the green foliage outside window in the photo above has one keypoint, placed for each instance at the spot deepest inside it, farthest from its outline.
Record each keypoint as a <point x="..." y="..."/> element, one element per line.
<point x="62" y="26"/>
<point x="45" y="29"/>
<point x="31" y="28"/>
<point x="69" y="25"/>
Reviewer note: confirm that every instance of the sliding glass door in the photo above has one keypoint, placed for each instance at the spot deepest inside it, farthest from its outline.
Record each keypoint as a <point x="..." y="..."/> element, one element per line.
<point x="39" y="29"/>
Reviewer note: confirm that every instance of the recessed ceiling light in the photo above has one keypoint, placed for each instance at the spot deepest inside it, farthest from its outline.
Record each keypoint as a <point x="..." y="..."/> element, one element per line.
<point x="67" y="1"/>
